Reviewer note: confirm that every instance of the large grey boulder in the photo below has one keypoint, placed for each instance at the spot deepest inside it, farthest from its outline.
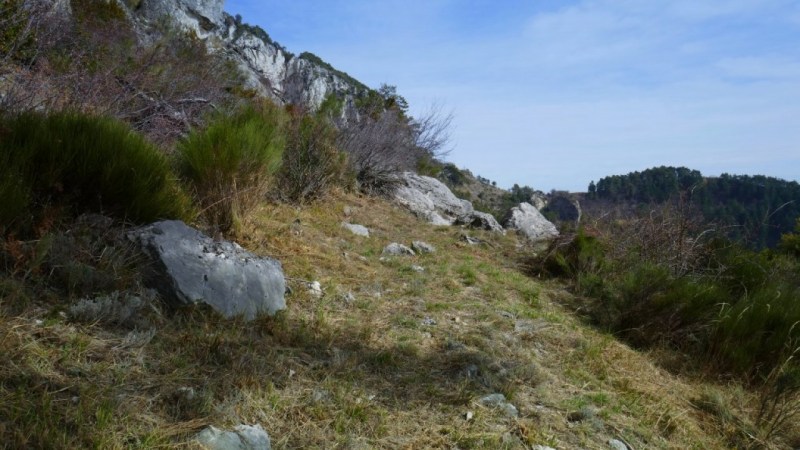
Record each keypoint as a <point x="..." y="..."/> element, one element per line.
<point x="430" y="199"/>
<point x="190" y="267"/>
<point x="482" y="220"/>
<point x="244" y="437"/>
<point x="433" y="201"/>
<point x="530" y="223"/>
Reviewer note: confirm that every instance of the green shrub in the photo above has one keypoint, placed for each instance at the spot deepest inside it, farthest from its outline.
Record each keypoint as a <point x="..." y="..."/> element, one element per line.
<point x="737" y="309"/>
<point x="428" y="165"/>
<point x="312" y="164"/>
<point x="76" y="163"/>
<point x="98" y="11"/>
<point x="576" y="255"/>
<point x="757" y="333"/>
<point x="451" y="175"/>
<point x="650" y="306"/>
<point x="790" y="242"/>
<point x="229" y="164"/>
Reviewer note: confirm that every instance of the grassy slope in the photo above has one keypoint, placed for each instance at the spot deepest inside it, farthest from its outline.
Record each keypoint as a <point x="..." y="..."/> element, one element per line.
<point x="365" y="373"/>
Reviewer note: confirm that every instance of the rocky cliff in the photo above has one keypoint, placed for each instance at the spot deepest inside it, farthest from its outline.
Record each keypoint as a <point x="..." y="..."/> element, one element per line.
<point x="267" y="67"/>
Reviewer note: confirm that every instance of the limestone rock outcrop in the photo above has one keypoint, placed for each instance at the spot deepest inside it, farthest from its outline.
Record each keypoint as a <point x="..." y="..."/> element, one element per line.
<point x="190" y="267"/>
<point x="431" y="200"/>
<point x="529" y="222"/>
<point x="268" y="68"/>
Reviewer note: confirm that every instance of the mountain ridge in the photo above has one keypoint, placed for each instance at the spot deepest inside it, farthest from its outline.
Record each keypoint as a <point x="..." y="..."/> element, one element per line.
<point x="268" y="68"/>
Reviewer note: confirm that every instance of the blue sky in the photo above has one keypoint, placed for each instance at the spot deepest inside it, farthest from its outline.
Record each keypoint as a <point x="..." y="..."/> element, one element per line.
<point x="554" y="94"/>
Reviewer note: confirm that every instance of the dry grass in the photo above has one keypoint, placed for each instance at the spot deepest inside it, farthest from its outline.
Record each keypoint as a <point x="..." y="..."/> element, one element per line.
<point x="367" y="371"/>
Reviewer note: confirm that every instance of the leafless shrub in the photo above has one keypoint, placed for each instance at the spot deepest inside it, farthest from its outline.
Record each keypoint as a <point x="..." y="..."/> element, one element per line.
<point x="381" y="145"/>
<point x="20" y="21"/>
<point x="432" y="131"/>
<point x="673" y="235"/>
<point x="26" y="28"/>
<point x="86" y="64"/>
<point x="378" y="149"/>
<point x="312" y="164"/>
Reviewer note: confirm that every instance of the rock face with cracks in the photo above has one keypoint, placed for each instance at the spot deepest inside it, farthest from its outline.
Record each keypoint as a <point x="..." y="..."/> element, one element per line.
<point x="267" y="67"/>
<point x="190" y="267"/>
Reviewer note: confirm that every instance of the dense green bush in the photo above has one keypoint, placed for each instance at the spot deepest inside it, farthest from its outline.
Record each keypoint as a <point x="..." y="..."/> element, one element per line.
<point x="66" y="163"/>
<point x="312" y="164"/>
<point x="229" y="164"/>
<point x="760" y="330"/>
<point x="790" y="242"/>
<point x="736" y="309"/>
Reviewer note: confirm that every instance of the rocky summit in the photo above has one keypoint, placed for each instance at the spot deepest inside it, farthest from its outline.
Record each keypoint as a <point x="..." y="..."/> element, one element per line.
<point x="268" y="68"/>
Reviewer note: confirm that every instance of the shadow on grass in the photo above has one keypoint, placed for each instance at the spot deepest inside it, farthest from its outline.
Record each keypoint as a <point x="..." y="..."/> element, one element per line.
<point x="231" y="354"/>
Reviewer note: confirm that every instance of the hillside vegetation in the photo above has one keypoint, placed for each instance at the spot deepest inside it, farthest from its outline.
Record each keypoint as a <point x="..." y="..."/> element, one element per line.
<point x="388" y="357"/>
<point x="755" y="209"/>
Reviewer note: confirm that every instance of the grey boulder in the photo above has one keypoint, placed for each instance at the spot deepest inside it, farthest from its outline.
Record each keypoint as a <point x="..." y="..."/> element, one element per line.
<point x="530" y="223"/>
<point x="395" y="249"/>
<point x="244" y="437"/>
<point x="499" y="401"/>
<point x="358" y="230"/>
<point x="482" y="220"/>
<point x="190" y="268"/>
<point x="422" y="247"/>
<point x="433" y="201"/>
<point x="616" y="444"/>
<point x="430" y="199"/>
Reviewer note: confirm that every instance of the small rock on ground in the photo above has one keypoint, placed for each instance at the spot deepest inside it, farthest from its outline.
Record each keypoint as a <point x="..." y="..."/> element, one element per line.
<point x="396" y="249"/>
<point x="244" y="437"/>
<point x="315" y="289"/>
<point x="499" y="401"/>
<point x="493" y="400"/>
<point x="358" y="230"/>
<point x="616" y="444"/>
<point x="422" y="247"/>
<point x="470" y="240"/>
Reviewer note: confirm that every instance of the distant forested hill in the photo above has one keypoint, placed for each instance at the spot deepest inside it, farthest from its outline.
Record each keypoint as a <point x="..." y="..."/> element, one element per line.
<point x="756" y="208"/>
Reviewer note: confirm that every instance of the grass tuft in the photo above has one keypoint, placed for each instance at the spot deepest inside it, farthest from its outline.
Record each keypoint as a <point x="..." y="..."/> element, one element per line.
<point x="63" y="164"/>
<point x="229" y="164"/>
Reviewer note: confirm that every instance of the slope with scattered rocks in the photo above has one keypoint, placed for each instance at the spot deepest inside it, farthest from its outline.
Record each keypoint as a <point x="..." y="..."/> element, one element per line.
<point x="452" y="348"/>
